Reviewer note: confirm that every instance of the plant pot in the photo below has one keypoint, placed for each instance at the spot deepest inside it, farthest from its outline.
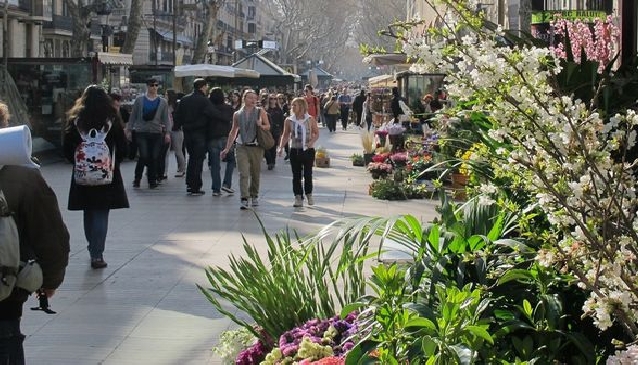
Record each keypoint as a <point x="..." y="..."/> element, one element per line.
<point x="367" y="158"/>
<point x="377" y="175"/>
<point x="357" y="163"/>
<point x="459" y="180"/>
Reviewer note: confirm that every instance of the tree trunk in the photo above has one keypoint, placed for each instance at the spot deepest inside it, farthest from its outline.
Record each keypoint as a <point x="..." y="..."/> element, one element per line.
<point x="81" y="34"/>
<point x="134" y="26"/>
<point x="199" y="55"/>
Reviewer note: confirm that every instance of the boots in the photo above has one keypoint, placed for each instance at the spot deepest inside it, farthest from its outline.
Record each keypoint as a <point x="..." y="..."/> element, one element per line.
<point x="298" y="201"/>
<point x="311" y="201"/>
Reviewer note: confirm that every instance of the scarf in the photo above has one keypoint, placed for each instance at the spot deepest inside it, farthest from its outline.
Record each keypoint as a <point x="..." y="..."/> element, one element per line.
<point x="300" y="125"/>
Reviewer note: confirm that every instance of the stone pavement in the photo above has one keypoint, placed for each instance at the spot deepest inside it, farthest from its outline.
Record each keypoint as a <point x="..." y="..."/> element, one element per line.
<point x="144" y="308"/>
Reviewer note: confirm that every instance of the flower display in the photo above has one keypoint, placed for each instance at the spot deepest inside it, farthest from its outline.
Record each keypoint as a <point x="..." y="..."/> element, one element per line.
<point x="381" y="132"/>
<point x="381" y="157"/>
<point x="315" y="340"/>
<point x="395" y="129"/>
<point x="399" y="158"/>
<point x="380" y="168"/>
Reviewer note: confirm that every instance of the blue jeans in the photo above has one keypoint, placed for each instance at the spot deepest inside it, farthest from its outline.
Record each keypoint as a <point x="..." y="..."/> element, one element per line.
<point x="215" y="147"/>
<point x="11" y="339"/>
<point x="96" y="225"/>
<point x="149" y="146"/>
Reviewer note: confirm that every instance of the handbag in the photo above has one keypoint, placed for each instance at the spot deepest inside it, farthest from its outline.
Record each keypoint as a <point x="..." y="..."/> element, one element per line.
<point x="264" y="139"/>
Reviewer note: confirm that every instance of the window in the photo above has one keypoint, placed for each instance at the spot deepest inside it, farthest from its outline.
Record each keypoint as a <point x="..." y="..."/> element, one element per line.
<point x="252" y="28"/>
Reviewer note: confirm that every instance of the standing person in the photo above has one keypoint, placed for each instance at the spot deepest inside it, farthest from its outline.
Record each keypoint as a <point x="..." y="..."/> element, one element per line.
<point x="344" y="104"/>
<point x="301" y="129"/>
<point x="149" y="120"/>
<point x="394" y="104"/>
<point x="93" y="110"/>
<point x="357" y="106"/>
<point x="195" y="112"/>
<point x="366" y="110"/>
<point x="162" y="161"/>
<point x="43" y="235"/>
<point x="235" y="101"/>
<point x="314" y="105"/>
<point x="248" y="153"/>
<point x="177" y="135"/>
<point x="332" y="113"/>
<point x="217" y="138"/>
<point x="276" y="114"/>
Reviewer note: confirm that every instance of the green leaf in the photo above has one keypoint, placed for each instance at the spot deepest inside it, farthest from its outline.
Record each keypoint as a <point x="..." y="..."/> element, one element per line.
<point x="429" y="346"/>
<point x="527" y="308"/>
<point x="421" y="323"/>
<point x="358" y="355"/>
<point x="480" y="332"/>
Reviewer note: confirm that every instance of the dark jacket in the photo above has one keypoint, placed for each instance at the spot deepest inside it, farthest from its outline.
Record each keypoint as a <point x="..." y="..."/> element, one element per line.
<point x="396" y="108"/>
<point x="277" y="117"/>
<point x="43" y="234"/>
<point x="194" y="112"/>
<point x="357" y="105"/>
<point x="219" y="127"/>
<point x="112" y="196"/>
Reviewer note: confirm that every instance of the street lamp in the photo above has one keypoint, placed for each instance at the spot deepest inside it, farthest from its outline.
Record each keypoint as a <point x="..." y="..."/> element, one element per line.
<point x="210" y="51"/>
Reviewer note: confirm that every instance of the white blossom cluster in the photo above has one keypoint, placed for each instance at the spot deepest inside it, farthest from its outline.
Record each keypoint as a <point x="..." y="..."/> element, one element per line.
<point x="626" y="357"/>
<point x="560" y="148"/>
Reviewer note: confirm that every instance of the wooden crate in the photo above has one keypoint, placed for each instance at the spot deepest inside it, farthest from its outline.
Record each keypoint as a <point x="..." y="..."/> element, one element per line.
<point x="322" y="162"/>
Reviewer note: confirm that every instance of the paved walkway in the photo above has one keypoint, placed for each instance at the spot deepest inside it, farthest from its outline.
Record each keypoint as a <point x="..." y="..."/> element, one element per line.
<point x="144" y="308"/>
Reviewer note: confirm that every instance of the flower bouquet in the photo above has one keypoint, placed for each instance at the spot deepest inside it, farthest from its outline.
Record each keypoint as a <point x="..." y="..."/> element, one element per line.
<point x="399" y="159"/>
<point x="381" y="157"/>
<point x="379" y="169"/>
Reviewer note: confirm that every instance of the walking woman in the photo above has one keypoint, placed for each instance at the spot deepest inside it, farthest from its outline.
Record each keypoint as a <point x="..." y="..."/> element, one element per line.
<point x="277" y="117"/>
<point x="248" y="154"/>
<point x="302" y="131"/>
<point x="94" y="111"/>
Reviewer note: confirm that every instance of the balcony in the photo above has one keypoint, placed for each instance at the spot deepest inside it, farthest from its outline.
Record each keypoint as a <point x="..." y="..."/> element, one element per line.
<point x="59" y="23"/>
<point x="38" y="10"/>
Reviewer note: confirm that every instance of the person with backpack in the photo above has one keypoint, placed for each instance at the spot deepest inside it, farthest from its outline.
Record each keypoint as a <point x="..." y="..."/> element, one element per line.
<point x="30" y="206"/>
<point x="94" y="141"/>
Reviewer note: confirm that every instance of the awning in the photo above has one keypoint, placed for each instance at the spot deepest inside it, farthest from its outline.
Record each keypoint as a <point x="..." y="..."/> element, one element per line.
<point x="208" y="70"/>
<point x="115" y="58"/>
<point x="382" y="80"/>
<point x="183" y="40"/>
<point x="387" y="59"/>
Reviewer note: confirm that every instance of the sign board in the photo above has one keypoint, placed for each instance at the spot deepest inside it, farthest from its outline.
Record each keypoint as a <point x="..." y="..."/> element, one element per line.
<point x="269" y="45"/>
<point x="539" y="17"/>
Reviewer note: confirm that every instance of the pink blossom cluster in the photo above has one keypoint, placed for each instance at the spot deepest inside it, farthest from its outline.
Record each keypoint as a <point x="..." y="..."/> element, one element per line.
<point x="598" y="45"/>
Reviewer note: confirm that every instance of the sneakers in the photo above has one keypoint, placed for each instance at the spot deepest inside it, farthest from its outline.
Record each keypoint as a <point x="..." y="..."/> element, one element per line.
<point x="228" y="190"/>
<point x="153" y="185"/>
<point x="311" y="201"/>
<point x="98" y="263"/>
<point x="216" y="193"/>
<point x="136" y="183"/>
<point x="180" y="174"/>
<point x="244" y="204"/>
<point x="298" y="201"/>
<point x="271" y="166"/>
<point x="255" y="202"/>
<point x="197" y="193"/>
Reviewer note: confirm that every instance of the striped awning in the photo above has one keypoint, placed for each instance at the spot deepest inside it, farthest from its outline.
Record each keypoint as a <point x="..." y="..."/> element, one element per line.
<point x="124" y="59"/>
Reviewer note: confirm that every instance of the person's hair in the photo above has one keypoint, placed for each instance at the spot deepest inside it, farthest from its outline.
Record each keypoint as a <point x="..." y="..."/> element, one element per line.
<point x="308" y="86"/>
<point x="198" y="83"/>
<point x="362" y="93"/>
<point x="427" y="96"/>
<point x="151" y="81"/>
<point x="216" y="96"/>
<point x="92" y="109"/>
<point x="395" y="91"/>
<point x="171" y="98"/>
<point x="302" y="102"/>
<point x="4" y="115"/>
<point x="113" y="96"/>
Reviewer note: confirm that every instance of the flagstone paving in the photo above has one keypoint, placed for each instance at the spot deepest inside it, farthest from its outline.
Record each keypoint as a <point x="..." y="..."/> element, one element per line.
<point x="144" y="308"/>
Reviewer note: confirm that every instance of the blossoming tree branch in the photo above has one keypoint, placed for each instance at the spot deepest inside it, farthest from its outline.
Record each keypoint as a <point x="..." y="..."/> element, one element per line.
<point x="568" y="156"/>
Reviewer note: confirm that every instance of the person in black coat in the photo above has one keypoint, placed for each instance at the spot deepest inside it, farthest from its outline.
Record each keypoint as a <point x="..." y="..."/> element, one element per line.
<point x="277" y="116"/>
<point x="95" y="110"/>
<point x="357" y="106"/>
<point x="194" y="113"/>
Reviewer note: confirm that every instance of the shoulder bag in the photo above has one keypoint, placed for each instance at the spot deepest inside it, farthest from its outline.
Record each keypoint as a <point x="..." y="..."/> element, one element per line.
<point x="264" y="138"/>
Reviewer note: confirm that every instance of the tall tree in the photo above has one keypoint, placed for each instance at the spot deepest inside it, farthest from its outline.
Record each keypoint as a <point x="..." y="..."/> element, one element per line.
<point x="374" y="16"/>
<point x="81" y="17"/>
<point x="134" y="26"/>
<point x="201" y="46"/>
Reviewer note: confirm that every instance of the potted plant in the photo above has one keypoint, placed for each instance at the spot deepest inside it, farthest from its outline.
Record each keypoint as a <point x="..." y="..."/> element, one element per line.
<point x="367" y="142"/>
<point x="379" y="169"/>
<point x="357" y="159"/>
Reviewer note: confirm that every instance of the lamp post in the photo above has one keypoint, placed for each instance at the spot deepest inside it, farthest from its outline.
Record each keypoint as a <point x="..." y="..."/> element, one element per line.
<point x="210" y="50"/>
